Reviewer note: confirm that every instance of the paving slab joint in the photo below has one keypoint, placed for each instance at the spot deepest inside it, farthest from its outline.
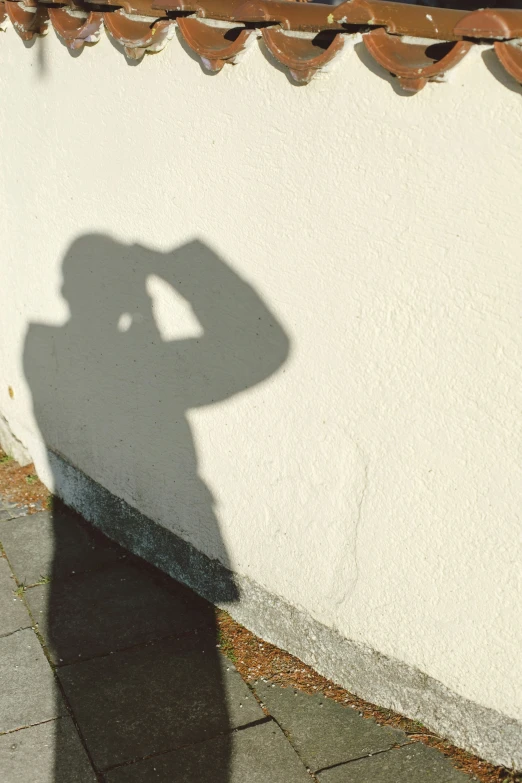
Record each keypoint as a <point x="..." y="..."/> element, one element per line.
<point x="360" y="758"/>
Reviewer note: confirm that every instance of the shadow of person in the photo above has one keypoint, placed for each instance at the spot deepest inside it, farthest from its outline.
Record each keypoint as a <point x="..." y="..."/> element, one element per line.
<point x="136" y="653"/>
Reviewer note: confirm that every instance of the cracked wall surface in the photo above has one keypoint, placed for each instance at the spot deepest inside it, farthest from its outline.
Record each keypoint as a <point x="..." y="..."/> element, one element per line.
<point x="368" y="477"/>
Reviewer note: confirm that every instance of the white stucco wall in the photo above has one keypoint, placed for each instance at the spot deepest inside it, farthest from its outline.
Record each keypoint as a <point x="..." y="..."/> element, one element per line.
<point x="373" y="477"/>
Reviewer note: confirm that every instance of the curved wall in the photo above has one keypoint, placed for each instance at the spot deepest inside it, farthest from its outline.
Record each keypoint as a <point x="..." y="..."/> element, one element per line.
<point x="284" y="323"/>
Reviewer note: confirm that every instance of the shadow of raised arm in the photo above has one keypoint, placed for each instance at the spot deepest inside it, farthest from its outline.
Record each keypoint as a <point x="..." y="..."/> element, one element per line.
<point x="242" y="344"/>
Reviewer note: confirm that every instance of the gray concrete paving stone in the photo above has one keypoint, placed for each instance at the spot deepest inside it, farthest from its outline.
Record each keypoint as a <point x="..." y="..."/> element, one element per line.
<point x="11" y="510"/>
<point x="259" y="754"/>
<point x="322" y="731"/>
<point x="48" y="753"/>
<point x="54" y="544"/>
<point x="414" y="763"/>
<point x="112" y="609"/>
<point x="13" y="614"/>
<point x="6" y="513"/>
<point x="156" y="698"/>
<point x="5" y="505"/>
<point x="29" y="691"/>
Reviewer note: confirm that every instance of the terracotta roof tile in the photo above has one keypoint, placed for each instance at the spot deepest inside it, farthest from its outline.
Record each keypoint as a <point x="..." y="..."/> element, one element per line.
<point x="133" y="7"/>
<point x="302" y="56"/>
<point x="311" y="17"/>
<point x="491" y="23"/>
<point x="510" y="55"/>
<point x="76" y="30"/>
<point x="214" y="45"/>
<point x="414" y="64"/>
<point x="135" y="35"/>
<point x="400" y="18"/>
<point x="303" y="37"/>
<point x="28" y="20"/>
<point x="209" y="9"/>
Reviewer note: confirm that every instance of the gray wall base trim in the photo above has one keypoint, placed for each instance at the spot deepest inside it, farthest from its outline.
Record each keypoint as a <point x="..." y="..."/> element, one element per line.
<point x="363" y="671"/>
